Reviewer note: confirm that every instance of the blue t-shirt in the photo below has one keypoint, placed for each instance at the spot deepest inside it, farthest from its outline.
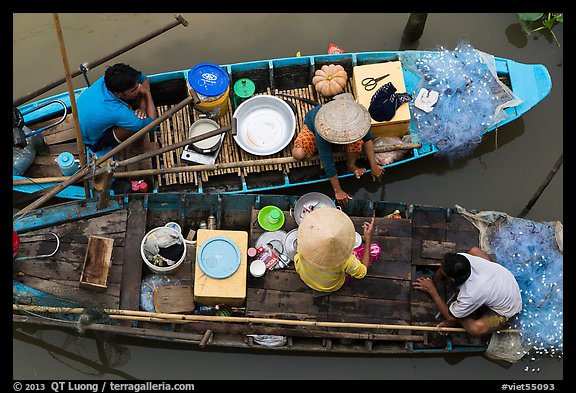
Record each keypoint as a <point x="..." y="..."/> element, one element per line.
<point x="325" y="148"/>
<point x="99" y="109"/>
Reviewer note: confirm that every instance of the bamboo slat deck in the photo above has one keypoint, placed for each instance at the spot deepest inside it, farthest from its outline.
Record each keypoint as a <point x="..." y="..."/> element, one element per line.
<point x="176" y="129"/>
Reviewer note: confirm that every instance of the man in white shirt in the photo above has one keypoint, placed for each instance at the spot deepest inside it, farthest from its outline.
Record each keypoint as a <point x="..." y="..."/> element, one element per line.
<point x="482" y="284"/>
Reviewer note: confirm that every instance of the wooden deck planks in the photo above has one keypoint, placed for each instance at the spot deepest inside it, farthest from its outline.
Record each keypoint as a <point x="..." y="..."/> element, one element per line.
<point x="386" y="294"/>
<point x="59" y="274"/>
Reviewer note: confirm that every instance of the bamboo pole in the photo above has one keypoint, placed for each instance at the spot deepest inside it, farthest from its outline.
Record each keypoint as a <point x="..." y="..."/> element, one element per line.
<point x="414" y="27"/>
<point x="535" y="197"/>
<point x="179" y="21"/>
<point x="207" y="167"/>
<point x="51" y="191"/>
<point x="79" y="142"/>
<point x="182" y="318"/>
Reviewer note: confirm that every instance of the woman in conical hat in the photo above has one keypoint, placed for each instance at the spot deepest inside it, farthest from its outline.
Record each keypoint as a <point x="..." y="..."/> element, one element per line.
<point x="326" y="239"/>
<point x="344" y="122"/>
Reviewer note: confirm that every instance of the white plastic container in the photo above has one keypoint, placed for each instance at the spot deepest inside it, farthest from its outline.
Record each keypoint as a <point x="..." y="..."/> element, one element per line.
<point x="163" y="269"/>
<point x="257" y="268"/>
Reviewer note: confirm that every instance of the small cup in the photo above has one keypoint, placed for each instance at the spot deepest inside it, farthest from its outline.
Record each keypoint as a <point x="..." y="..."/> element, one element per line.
<point x="274" y="216"/>
<point x="257" y="268"/>
<point x="252" y="252"/>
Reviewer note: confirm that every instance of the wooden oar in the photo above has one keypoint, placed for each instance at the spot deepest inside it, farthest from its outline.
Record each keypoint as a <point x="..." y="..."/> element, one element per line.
<point x="79" y="141"/>
<point x="179" y="21"/>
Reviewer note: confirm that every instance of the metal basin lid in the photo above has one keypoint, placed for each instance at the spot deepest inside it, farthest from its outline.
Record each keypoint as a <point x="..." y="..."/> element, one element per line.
<point x="291" y="243"/>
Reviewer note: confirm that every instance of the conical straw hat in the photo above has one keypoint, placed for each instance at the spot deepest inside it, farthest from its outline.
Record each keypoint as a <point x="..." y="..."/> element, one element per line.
<point x="342" y="121"/>
<point x="326" y="237"/>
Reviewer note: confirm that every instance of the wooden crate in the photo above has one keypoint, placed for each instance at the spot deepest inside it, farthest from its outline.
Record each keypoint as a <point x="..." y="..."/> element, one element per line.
<point x="97" y="263"/>
<point x="173" y="299"/>
<point x="230" y="290"/>
<point x="399" y="124"/>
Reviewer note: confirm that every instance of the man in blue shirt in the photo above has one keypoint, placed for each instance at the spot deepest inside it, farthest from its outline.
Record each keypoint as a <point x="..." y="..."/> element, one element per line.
<point x="346" y="123"/>
<point x="115" y="107"/>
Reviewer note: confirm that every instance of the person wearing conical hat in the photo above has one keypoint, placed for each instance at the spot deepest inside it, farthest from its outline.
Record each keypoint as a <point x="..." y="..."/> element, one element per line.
<point x="324" y="258"/>
<point x="344" y="122"/>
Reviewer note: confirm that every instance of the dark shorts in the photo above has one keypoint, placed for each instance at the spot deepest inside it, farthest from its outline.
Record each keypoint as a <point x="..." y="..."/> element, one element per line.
<point x="106" y="140"/>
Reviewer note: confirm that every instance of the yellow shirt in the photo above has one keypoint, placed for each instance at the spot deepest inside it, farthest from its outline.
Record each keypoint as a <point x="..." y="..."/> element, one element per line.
<point x="328" y="280"/>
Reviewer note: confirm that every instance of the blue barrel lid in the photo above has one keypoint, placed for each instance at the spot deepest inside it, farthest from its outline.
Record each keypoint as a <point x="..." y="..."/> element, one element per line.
<point x="219" y="257"/>
<point x="208" y="79"/>
<point x="65" y="159"/>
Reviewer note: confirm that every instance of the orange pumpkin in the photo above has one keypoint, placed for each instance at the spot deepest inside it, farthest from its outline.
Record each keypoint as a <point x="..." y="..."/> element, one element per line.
<point x="330" y="80"/>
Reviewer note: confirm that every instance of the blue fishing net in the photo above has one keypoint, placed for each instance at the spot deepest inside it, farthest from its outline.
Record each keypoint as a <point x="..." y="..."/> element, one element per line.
<point x="471" y="98"/>
<point x="529" y="250"/>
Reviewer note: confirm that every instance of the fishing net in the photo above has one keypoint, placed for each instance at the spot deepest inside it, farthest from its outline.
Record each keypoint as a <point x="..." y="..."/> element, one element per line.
<point x="533" y="252"/>
<point x="90" y="352"/>
<point x="471" y="98"/>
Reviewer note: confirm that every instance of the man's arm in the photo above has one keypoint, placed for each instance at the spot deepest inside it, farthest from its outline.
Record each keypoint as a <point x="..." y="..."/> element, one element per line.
<point x="376" y="169"/>
<point x="341" y="196"/>
<point x="427" y="285"/>
<point x="147" y="103"/>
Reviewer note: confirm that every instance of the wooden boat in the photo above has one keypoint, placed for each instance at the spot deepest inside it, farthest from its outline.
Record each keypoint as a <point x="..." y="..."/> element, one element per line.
<point x="235" y="170"/>
<point x="93" y="278"/>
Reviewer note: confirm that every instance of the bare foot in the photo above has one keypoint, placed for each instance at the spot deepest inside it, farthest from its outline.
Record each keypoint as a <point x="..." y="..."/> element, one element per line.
<point x="356" y="170"/>
<point x="145" y="147"/>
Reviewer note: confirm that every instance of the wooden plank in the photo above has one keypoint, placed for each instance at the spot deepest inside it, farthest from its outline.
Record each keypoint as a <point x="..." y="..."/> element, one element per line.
<point x="97" y="263"/>
<point x="349" y="308"/>
<point x="392" y="227"/>
<point x="63" y="270"/>
<point x="375" y="288"/>
<point x="419" y="235"/>
<point x="385" y="268"/>
<point x="132" y="266"/>
<point x="284" y="302"/>
<point x="435" y="249"/>
<point x="111" y="224"/>
<point x="173" y="299"/>
<point x="429" y="219"/>
<point x="82" y="297"/>
<point x="281" y="280"/>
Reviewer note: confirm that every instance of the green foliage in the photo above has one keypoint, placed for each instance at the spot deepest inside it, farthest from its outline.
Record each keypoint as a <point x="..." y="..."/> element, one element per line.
<point x="533" y="22"/>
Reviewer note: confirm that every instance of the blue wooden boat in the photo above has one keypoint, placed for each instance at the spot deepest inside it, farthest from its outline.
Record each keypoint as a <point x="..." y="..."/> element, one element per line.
<point x="530" y="83"/>
<point x="63" y="284"/>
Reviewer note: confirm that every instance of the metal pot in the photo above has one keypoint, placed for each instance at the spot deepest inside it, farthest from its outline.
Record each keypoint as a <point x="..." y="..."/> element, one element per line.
<point x="308" y="202"/>
<point x="201" y="127"/>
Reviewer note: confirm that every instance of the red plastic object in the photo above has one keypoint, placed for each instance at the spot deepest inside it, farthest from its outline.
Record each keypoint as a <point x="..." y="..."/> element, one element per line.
<point x="333" y="49"/>
<point x="15" y="243"/>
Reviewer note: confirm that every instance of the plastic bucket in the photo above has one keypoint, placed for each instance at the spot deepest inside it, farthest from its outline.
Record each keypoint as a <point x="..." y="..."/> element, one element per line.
<point x="243" y="89"/>
<point x="212" y="85"/>
<point x="163" y="269"/>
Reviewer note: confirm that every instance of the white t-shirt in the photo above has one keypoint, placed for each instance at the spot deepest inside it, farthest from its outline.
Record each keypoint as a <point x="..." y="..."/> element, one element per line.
<point x="489" y="284"/>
